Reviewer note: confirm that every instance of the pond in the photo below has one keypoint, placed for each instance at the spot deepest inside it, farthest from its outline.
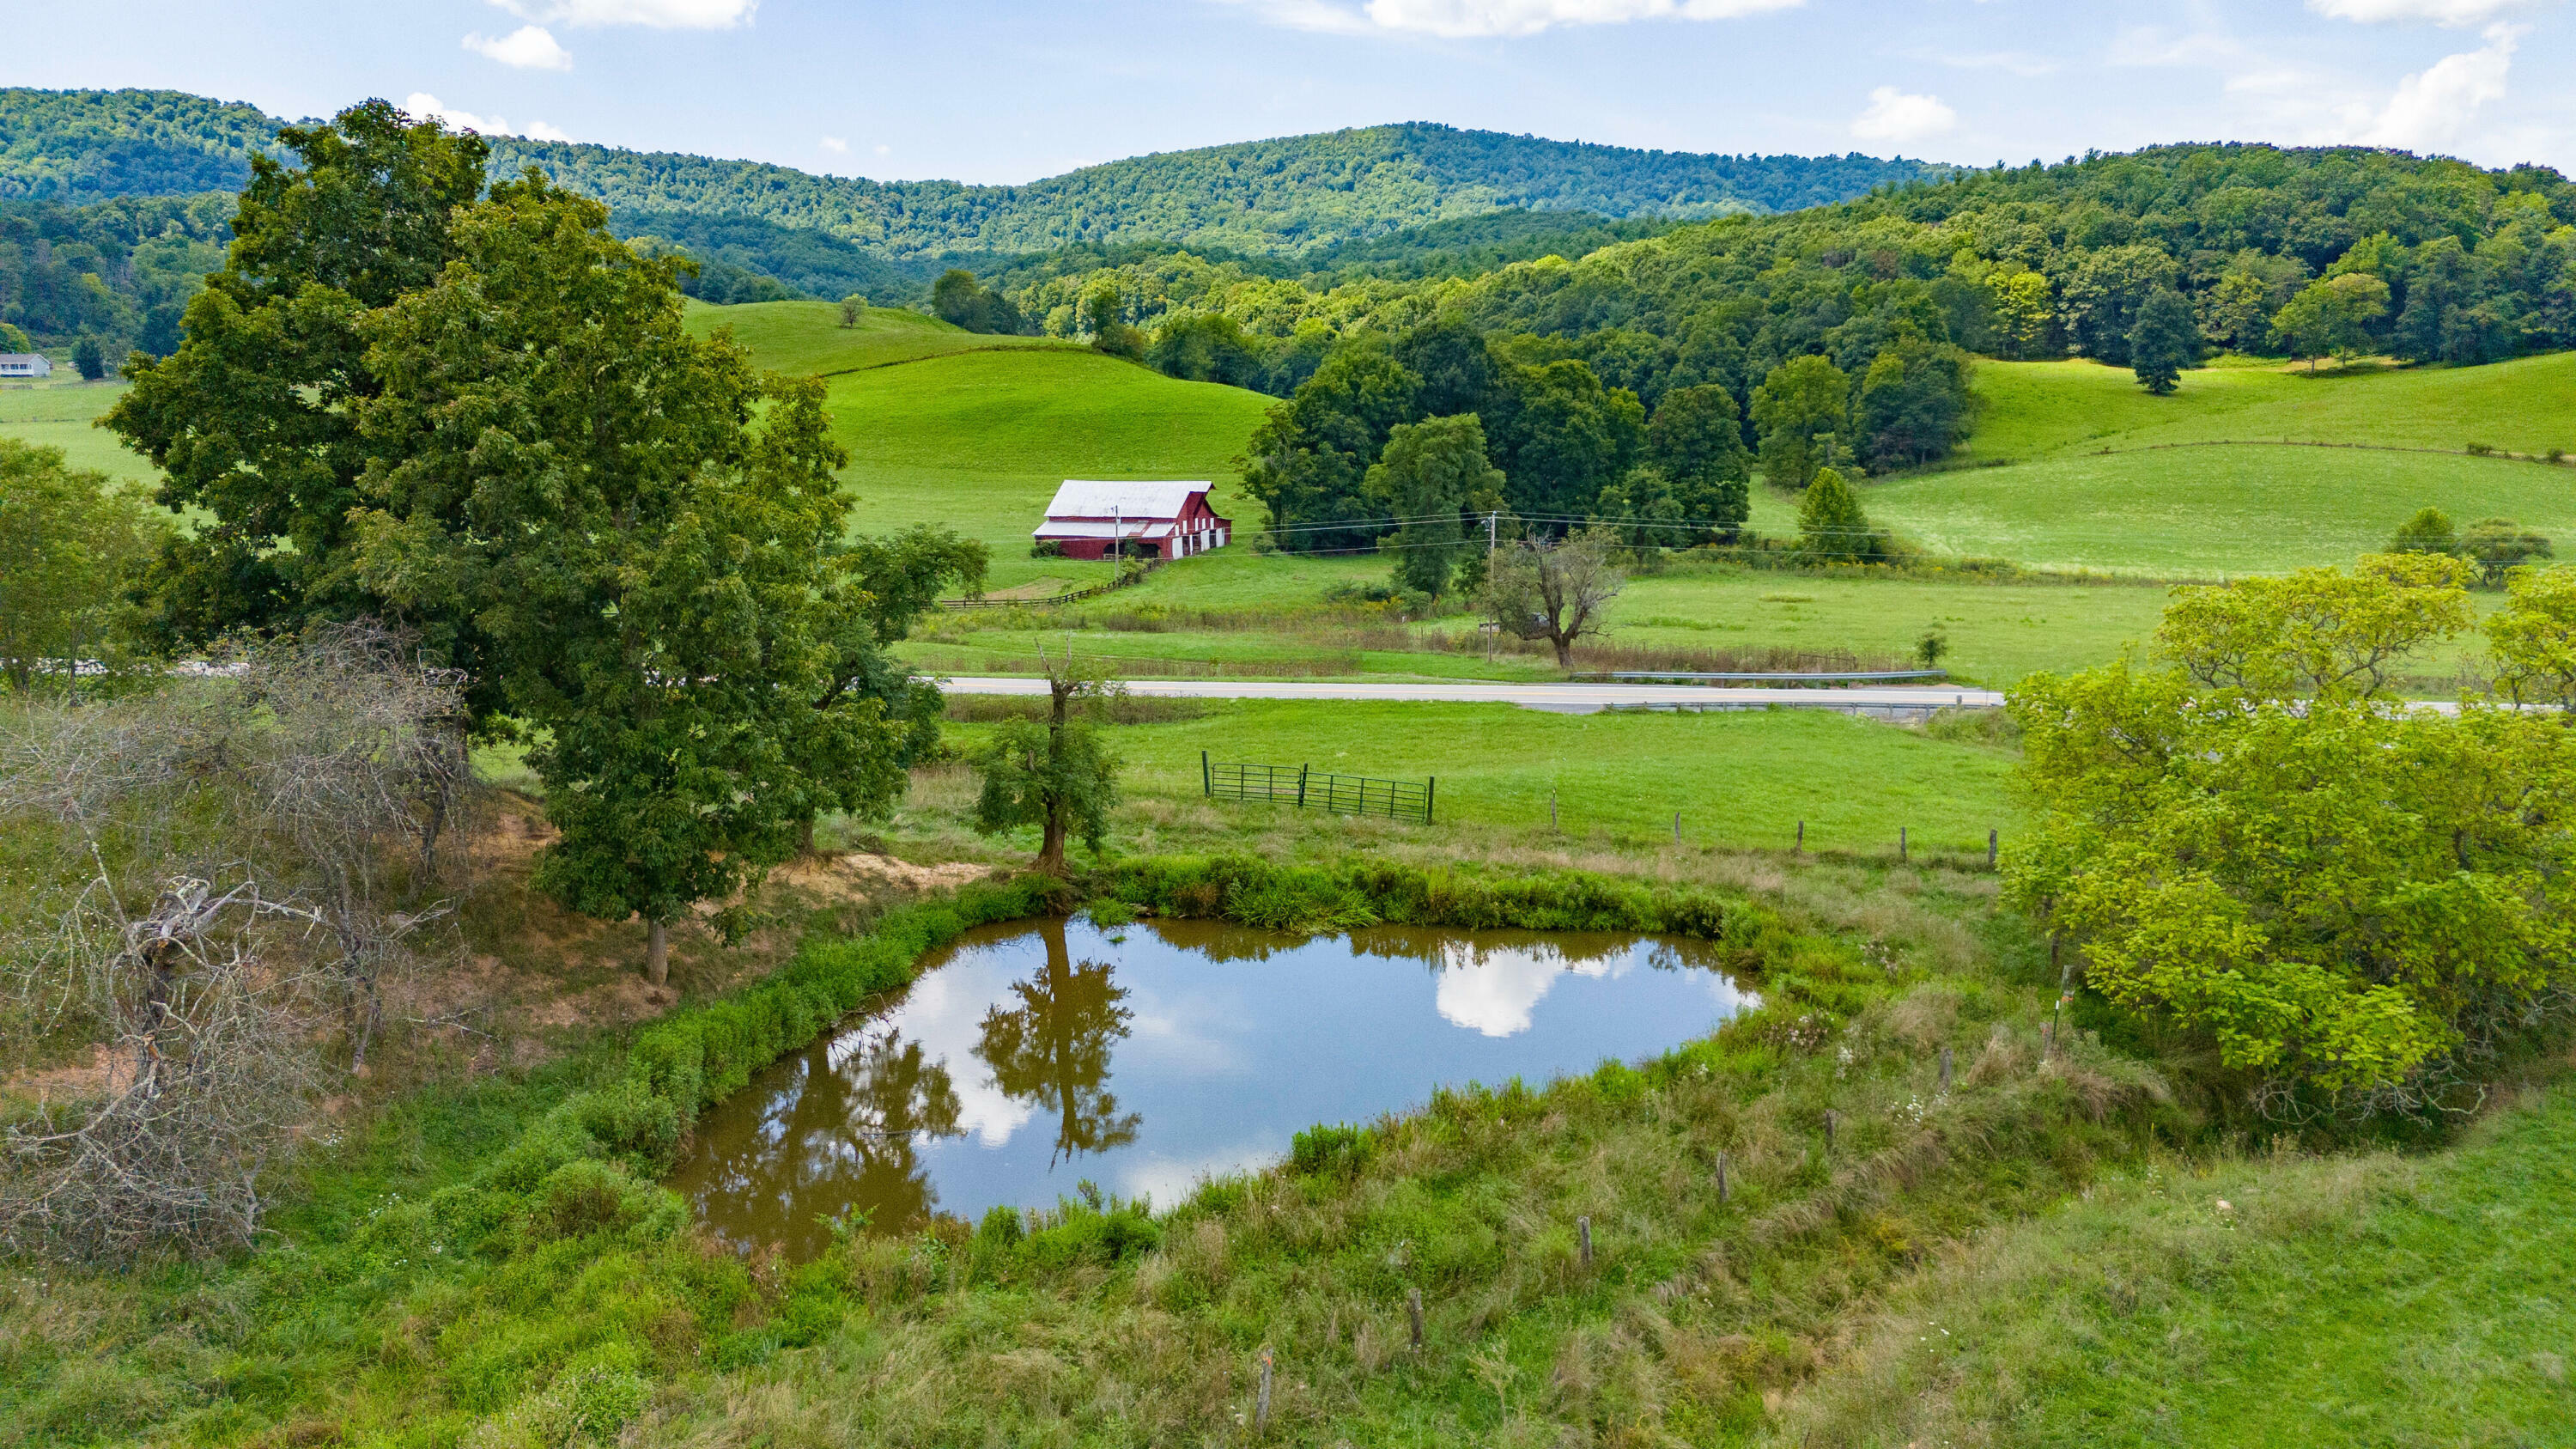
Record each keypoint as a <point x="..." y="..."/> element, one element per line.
<point x="1031" y="1058"/>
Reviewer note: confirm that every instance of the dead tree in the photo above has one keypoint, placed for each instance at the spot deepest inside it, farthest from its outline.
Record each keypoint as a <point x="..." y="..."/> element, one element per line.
<point x="237" y="860"/>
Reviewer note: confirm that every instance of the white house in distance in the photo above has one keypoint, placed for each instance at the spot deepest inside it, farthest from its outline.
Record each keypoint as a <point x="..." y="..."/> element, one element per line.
<point x="1152" y="520"/>
<point x="25" y="364"/>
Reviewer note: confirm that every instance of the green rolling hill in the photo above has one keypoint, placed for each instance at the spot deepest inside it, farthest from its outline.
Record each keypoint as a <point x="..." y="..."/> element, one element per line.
<point x="974" y="431"/>
<point x="2088" y="471"/>
<point x="1278" y="196"/>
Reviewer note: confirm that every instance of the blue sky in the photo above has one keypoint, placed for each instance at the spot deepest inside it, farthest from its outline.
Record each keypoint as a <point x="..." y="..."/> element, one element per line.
<point x="1001" y="90"/>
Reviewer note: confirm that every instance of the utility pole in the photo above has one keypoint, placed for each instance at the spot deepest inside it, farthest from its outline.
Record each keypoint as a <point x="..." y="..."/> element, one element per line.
<point x="1490" y="523"/>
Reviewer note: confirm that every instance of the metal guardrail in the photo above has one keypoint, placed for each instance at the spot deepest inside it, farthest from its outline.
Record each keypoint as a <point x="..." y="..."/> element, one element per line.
<point x="1883" y="676"/>
<point x="1300" y="786"/>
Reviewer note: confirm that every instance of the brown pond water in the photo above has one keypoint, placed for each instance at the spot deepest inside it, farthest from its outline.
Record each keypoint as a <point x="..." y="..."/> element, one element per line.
<point x="1029" y="1058"/>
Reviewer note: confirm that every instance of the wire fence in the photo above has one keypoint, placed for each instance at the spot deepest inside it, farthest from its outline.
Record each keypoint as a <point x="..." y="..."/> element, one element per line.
<point x="1301" y="786"/>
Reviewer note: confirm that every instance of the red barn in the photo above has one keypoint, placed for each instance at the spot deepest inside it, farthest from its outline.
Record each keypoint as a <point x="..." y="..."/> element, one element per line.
<point x="1148" y="520"/>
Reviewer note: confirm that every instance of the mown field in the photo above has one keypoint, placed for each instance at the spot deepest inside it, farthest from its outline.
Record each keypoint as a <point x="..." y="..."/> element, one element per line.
<point x="1737" y="780"/>
<point x="807" y="337"/>
<point x="978" y="441"/>
<point x="58" y="414"/>
<point x="2037" y="410"/>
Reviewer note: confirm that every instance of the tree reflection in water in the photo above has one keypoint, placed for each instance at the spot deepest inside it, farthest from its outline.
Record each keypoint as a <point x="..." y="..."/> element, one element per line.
<point x="847" y="1139"/>
<point x="1054" y="1049"/>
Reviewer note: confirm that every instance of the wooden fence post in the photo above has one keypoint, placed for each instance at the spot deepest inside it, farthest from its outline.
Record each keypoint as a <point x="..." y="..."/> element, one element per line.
<point x="1677" y="827"/>
<point x="1900" y="845"/>
<point x="1721" y="1179"/>
<point x="1831" y="1117"/>
<point x="1413" y="1310"/>
<point x="1551" y="810"/>
<point x="1991" y="839"/>
<point x="1261" y="1410"/>
<point x="1801" y="847"/>
<point x="1583" y="1237"/>
<point x="1945" y="1069"/>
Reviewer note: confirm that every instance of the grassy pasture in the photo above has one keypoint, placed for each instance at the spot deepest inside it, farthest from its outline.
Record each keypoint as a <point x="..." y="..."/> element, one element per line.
<point x="1738" y="780"/>
<point x="2204" y="512"/>
<point x="2046" y="409"/>
<point x="59" y="414"/>
<point x="978" y="441"/>
<point x="807" y="337"/>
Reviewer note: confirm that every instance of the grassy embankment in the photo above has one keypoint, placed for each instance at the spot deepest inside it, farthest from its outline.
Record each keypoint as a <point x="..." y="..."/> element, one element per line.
<point x="2237" y="1302"/>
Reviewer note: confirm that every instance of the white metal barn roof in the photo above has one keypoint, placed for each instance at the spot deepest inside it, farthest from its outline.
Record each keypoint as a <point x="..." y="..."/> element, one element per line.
<point x="1078" y="498"/>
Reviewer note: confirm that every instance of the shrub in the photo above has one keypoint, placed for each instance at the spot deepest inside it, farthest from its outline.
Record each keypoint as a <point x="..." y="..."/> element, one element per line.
<point x="1338" y="1151"/>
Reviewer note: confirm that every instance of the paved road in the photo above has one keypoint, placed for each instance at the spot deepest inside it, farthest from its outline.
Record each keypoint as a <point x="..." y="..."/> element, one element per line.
<point x="1900" y="701"/>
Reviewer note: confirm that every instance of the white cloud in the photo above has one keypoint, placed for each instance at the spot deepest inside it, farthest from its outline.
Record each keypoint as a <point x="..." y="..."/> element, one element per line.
<point x="424" y="106"/>
<point x="1893" y="115"/>
<point x="1469" y="19"/>
<point x="836" y="145"/>
<point x="658" y="14"/>
<point x="884" y="150"/>
<point x="1493" y="990"/>
<point x="530" y="47"/>
<point x="2440" y="12"/>
<point x="2432" y="105"/>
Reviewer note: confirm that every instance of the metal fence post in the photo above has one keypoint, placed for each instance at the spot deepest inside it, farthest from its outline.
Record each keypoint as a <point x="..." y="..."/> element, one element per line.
<point x="1207" y="776"/>
<point x="1430" y="787"/>
<point x="1301" y="785"/>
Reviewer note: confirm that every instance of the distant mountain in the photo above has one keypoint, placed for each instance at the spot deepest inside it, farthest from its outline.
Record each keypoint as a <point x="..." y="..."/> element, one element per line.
<point x="1280" y="197"/>
<point x="75" y="147"/>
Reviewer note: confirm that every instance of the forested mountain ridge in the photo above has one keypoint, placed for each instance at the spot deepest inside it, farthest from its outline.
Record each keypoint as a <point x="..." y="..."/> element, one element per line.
<point x="1278" y="196"/>
<point x="2034" y="261"/>
<point x="83" y="146"/>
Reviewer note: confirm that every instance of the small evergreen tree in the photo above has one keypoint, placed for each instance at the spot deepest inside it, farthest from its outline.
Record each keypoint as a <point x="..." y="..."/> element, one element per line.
<point x="2165" y="341"/>
<point x="2429" y="531"/>
<point x="88" y="360"/>
<point x="1830" y="522"/>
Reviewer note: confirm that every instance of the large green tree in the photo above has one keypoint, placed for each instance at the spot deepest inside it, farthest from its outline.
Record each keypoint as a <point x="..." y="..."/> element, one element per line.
<point x="643" y="533"/>
<point x="253" y="420"/>
<point x="1801" y="411"/>
<point x="1561" y="437"/>
<point x="2248" y="839"/>
<point x="1308" y="462"/>
<point x="1696" y="437"/>
<point x="2165" y="342"/>
<point x="2331" y="317"/>
<point x="1432" y="474"/>
<point x="1914" y="404"/>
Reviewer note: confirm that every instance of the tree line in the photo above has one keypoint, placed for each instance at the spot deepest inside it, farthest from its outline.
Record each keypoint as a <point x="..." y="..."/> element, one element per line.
<point x="1407" y="440"/>
<point x="2271" y="251"/>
